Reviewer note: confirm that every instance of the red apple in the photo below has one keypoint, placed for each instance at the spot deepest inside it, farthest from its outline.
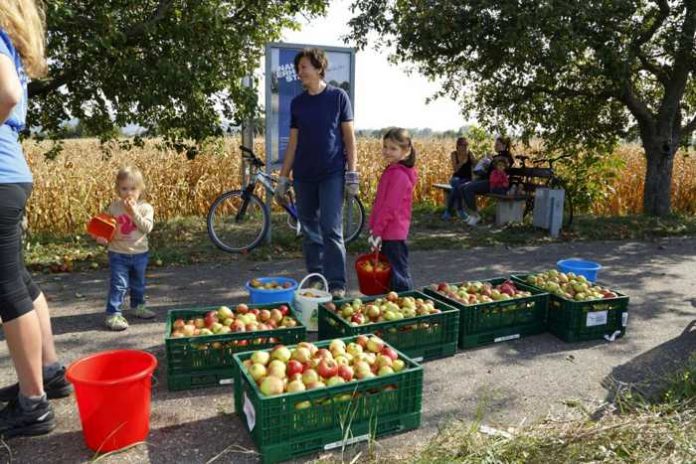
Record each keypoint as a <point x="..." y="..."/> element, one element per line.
<point x="254" y="311"/>
<point x="178" y="324"/>
<point x="294" y="367"/>
<point x="241" y="309"/>
<point x="276" y="315"/>
<point x="264" y="315"/>
<point x="284" y="310"/>
<point x="362" y="341"/>
<point x="327" y="368"/>
<point x="346" y="372"/>
<point x="390" y="352"/>
<point x="210" y="317"/>
<point x="323" y="353"/>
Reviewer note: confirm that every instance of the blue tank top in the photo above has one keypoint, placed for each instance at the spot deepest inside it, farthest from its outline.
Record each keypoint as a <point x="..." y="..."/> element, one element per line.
<point x="13" y="165"/>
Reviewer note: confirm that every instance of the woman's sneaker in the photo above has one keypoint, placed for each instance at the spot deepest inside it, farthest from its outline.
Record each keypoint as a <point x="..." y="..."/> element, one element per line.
<point x="116" y="322"/>
<point x="474" y="219"/>
<point x="142" y="312"/>
<point x="55" y="387"/>
<point x="16" y="421"/>
<point x="338" y="293"/>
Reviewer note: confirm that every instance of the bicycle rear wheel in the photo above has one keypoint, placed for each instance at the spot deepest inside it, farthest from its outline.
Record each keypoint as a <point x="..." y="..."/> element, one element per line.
<point x="237" y="221"/>
<point x="353" y="218"/>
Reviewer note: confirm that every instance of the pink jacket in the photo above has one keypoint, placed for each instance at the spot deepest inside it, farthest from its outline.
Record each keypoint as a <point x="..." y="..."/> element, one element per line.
<point x="391" y="212"/>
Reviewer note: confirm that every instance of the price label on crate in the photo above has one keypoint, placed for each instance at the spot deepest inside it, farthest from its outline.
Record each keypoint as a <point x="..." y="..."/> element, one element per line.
<point x="597" y="318"/>
<point x="346" y="442"/>
<point x="250" y="412"/>
<point x="624" y="319"/>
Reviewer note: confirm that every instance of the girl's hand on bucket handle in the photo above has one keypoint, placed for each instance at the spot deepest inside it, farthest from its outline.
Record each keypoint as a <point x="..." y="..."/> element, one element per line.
<point x="374" y="242"/>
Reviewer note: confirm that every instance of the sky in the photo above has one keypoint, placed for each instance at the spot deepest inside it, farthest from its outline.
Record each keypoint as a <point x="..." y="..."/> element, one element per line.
<point x="384" y="94"/>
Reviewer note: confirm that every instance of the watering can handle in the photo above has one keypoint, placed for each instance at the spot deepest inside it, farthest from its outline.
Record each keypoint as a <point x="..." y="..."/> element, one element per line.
<point x="315" y="274"/>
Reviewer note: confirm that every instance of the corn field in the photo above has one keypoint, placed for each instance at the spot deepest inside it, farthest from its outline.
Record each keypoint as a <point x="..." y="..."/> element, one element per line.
<point x="80" y="181"/>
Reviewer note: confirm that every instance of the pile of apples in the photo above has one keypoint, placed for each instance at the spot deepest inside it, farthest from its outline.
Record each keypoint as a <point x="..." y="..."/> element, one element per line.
<point x="391" y="308"/>
<point x="270" y="285"/>
<point x="242" y="319"/>
<point x="307" y="367"/>
<point x="374" y="266"/>
<point x="472" y="293"/>
<point x="569" y="286"/>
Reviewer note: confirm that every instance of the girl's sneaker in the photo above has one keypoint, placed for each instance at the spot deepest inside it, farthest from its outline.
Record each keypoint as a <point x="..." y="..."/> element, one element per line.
<point x="142" y="312"/>
<point x="474" y="219"/>
<point x="116" y="322"/>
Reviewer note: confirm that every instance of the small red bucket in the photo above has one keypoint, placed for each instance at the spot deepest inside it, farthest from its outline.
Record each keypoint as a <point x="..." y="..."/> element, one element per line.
<point x="113" y="391"/>
<point x="102" y="225"/>
<point x="374" y="273"/>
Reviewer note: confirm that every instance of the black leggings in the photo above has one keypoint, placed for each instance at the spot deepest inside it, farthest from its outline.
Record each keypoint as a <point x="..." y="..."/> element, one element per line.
<point x="17" y="289"/>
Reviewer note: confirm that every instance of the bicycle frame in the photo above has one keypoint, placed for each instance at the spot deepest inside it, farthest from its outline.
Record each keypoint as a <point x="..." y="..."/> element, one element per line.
<point x="267" y="181"/>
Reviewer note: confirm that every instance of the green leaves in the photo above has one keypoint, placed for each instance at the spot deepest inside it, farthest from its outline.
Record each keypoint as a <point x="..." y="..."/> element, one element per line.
<point x="171" y="66"/>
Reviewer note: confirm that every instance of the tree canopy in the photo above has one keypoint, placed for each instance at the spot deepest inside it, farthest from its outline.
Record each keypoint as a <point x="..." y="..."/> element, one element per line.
<point x="173" y="67"/>
<point x="572" y="72"/>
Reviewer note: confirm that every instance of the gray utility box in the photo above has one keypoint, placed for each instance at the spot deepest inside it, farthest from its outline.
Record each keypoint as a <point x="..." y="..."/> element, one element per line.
<point x="548" y="209"/>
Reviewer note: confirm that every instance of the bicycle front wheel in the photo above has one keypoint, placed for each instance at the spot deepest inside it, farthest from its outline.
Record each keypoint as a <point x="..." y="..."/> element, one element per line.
<point x="353" y="218"/>
<point x="237" y="221"/>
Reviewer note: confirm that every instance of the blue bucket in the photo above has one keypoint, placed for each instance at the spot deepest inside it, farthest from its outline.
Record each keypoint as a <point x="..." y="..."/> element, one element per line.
<point x="589" y="269"/>
<point x="262" y="295"/>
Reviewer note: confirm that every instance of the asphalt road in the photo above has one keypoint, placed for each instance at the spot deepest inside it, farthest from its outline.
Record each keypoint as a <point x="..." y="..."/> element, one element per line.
<point x="505" y="384"/>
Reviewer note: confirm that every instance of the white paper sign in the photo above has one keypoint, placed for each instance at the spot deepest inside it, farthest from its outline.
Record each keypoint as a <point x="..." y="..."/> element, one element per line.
<point x="597" y="318"/>
<point x="250" y="412"/>
<point x="347" y="442"/>
<point x="624" y="319"/>
<point x="506" y="338"/>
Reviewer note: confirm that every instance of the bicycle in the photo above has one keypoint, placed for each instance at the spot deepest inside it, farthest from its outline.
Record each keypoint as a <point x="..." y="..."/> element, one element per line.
<point x="238" y="220"/>
<point x="528" y="179"/>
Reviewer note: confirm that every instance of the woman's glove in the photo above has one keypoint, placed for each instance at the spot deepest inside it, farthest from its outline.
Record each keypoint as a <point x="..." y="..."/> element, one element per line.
<point x="281" y="189"/>
<point x="352" y="184"/>
<point x="374" y="242"/>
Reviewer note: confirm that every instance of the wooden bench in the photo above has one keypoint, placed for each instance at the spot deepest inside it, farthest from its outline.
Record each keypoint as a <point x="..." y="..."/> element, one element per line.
<point x="508" y="208"/>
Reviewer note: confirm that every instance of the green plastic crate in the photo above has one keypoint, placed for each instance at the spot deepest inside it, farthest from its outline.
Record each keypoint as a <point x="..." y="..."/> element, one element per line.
<point x="337" y="416"/>
<point x="501" y="320"/>
<point x="421" y="338"/>
<point x="195" y="362"/>
<point x="574" y="321"/>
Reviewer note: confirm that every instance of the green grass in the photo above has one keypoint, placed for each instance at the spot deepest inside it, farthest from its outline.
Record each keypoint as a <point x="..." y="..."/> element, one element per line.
<point x="636" y="432"/>
<point x="185" y="240"/>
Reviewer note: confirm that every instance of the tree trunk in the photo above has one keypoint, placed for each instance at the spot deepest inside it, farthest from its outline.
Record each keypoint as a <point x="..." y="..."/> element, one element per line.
<point x="657" y="192"/>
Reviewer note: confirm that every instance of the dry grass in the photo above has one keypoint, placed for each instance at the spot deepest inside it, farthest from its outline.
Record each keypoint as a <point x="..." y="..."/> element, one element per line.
<point x="68" y="191"/>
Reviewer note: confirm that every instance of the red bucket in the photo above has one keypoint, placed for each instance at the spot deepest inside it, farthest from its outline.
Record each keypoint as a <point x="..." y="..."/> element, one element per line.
<point x="113" y="391"/>
<point x="102" y="225"/>
<point x="374" y="273"/>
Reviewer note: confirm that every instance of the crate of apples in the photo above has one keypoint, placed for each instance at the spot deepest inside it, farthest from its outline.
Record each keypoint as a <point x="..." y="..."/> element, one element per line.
<point x="199" y="343"/>
<point x="392" y="307"/>
<point x="295" y="400"/>
<point x="224" y="320"/>
<point x="307" y="367"/>
<point x="569" y="286"/>
<point x="477" y="292"/>
<point x="417" y="325"/>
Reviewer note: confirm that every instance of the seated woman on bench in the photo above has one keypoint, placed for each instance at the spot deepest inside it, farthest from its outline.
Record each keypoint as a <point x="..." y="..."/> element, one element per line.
<point x="463" y="163"/>
<point x="482" y="186"/>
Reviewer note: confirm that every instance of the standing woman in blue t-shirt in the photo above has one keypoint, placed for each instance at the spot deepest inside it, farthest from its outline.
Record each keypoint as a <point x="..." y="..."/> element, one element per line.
<point x="322" y="157"/>
<point x="23" y="308"/>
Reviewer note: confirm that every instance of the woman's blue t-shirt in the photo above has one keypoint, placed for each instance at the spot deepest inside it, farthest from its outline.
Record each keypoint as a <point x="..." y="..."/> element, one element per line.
<point x="320" y="151"/>
<point x="13" y="165"/>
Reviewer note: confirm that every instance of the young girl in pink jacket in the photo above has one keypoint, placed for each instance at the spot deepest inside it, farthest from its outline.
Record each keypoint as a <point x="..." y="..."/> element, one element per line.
<point x="391" y="212"/>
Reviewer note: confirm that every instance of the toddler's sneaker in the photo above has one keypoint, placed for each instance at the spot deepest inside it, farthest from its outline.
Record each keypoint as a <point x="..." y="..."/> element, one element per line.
<point x="116" y="322"/>
<point x="446" y="216"/>
<point x="474" y="219"/>
<point x="142" y="312"/>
